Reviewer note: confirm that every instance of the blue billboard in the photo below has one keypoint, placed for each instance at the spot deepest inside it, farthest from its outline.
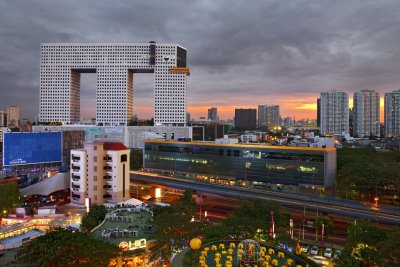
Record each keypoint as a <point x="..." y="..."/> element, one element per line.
<point x="31" y="148"/>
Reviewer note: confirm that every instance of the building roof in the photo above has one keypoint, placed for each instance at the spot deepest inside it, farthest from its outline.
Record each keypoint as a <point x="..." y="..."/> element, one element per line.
<point x="242" y="145"/>
<point x="114" y="146"/>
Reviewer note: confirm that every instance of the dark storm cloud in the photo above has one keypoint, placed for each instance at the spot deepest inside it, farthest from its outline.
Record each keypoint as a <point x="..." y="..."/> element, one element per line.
<point x="264" y="50"/>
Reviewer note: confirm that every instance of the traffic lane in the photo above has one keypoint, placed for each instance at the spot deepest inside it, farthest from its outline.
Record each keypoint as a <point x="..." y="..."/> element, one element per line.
<point x="236" y="192"/>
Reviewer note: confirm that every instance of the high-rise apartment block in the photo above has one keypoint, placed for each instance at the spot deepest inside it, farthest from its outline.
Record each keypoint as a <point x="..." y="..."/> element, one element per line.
<point x="213" y="114"/>
<point x="318" y="112"/>
<point x="262" y="116"/>
<point x="115" y="66"/>
<point x="100" y="171"/>
<point x="273" y="117"/>
<point x="392" y="114"/>
<point x="3" y="119"/>
<point x="245" y="119"/>
<point x="13" y="116"/>
<point x="334" y="113"/>
<point x="366" y="114"/>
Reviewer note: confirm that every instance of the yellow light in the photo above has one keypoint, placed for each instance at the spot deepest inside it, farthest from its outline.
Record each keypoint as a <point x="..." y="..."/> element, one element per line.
<point x="158" y="192"/>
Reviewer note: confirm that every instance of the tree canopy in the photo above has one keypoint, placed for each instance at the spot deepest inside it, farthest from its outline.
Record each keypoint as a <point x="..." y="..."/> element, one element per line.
<point x="9" y="197"/>
<point x="62" y="247"/>
<point x="95" y="216"/>
<point x="364" y="173"/>
<point x="367" y="245"/>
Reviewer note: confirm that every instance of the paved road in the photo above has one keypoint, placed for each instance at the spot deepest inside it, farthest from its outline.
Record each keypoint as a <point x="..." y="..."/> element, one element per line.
<point x="351" y="209"/>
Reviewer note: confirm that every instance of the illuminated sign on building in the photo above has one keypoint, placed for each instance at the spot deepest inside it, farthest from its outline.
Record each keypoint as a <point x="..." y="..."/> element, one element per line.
<point x="140" y="243"/>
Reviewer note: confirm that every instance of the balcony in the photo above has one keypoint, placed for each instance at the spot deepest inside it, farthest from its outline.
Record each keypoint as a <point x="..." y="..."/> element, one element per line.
<point x="76" y="188"/>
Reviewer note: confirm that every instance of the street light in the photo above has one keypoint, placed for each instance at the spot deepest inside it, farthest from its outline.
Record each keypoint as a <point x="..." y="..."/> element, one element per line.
<point x="376" y="199"/>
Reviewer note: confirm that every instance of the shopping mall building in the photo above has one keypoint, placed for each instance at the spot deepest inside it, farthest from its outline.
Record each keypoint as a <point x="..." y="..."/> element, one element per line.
<point x="297" y="169"/>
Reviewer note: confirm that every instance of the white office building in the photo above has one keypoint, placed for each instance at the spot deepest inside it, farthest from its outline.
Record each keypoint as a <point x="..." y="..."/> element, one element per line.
<point x="115" y="65"/>
<point x="392" y="114"/>
<point x="100" y="172"/>
<point x="366" y="108"/>
<point x="334" y="113"/>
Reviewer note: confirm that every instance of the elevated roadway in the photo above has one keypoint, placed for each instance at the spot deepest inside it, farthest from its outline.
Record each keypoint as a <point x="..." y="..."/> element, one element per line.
<point x="351" y="209"/>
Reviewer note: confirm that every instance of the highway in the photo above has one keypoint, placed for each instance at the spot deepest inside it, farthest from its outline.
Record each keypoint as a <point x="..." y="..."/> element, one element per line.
<point x="350" y="209"/>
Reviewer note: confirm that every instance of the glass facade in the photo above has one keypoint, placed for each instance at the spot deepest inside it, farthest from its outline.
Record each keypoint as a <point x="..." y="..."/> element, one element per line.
<point x="275" y="165"/>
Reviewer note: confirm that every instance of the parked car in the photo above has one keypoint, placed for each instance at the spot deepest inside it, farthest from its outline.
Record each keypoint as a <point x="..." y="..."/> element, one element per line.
<point x="304" y="248"/>
<point x="328" y="252"/>
<point x="314" y="250"/>
<point x="336" y="254"/>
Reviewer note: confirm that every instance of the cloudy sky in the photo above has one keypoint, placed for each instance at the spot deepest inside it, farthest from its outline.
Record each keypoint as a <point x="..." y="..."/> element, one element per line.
<point x="241" y="53"/>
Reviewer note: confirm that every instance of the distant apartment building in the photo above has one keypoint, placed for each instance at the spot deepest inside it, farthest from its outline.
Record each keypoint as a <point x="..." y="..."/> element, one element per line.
<point x="213" y="114"/>
<point x="245" y="119"/>
<point x="13" y="116"/>
<point x="392" y="114"/>
<point x="318" y="112"/>
<point x="366" y="114"/>
<point x="334" y="113"/>
<point x="273" y="117"/>
<point x="3" y="119"/>
<point x="100" y="172"/>
<point x="262" y="116"/>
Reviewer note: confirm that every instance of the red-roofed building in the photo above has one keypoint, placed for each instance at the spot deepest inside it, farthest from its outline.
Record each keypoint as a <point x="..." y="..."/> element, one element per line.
<point x="100" y="172"/>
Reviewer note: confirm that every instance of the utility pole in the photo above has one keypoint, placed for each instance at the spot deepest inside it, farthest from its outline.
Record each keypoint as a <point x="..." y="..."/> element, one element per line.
<point x="304" y="218"/>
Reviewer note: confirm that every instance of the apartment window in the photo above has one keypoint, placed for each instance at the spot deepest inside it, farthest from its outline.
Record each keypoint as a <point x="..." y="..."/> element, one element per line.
<point x="94" y="159"/>
<point x="95" y="178"/>
<point x="95" y="148"/>
<point x="124" y="158"/>
<point x="95" y="188"/>
<point x="95" y="168"/>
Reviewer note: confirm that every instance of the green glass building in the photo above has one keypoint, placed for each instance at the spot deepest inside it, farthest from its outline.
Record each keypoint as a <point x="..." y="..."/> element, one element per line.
<point x="251" y="165"/>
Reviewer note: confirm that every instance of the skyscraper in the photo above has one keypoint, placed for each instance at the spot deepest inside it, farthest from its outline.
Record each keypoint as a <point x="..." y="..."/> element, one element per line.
<point x="245" y="119"/>
<point x="273" y="117"/>
<point x="13" y="116"/>
<point x="213" y="114"/>
<point x="115" y="66"/>
<point x="334" y="113"/>
<point x="366" y="113"/>
<point x="392" y="113"/>
<point x="262" y="116"/>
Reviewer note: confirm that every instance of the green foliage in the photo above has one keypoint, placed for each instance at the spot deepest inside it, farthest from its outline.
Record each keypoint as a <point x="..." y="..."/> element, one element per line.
<point x="9" y="198"/>
<point x="326" y="221"/>
<point x="62" y="247"/>
<point x="93" y="218"/>
<point x="136" y="159"/>
<point x="174" y="226"/>
<point x="252" y="220"/>
<point x="367" y="245"/>
<point x="364" y="173"/>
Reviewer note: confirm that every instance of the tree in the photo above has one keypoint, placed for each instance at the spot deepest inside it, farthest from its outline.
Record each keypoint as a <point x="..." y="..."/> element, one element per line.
<point x="174" y="226"/>
<point x="62" y="247"/>
<point x="9" y="198"/>
<point x="390" y="248"/>
<point x="136" y="159"/>
<point x="326" y="221"/>
<point x="361" y="248"/>
<point x="95" y="216"/>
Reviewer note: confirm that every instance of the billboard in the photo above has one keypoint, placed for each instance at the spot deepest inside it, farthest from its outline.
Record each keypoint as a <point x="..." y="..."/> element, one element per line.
<point x="32" y="148"/>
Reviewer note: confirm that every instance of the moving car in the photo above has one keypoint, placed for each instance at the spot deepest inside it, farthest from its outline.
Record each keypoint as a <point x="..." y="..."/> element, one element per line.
<point x="321" y="260"/>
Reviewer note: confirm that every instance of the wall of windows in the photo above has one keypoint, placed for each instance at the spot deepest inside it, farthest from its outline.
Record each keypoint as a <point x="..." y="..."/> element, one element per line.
<point x="290" y="166"/>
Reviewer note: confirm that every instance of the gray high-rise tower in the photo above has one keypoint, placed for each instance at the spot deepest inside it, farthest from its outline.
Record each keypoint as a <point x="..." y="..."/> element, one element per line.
<point x="392" y="114"/>
<point x="334" y="113"/>
<point x="366" y="110"/>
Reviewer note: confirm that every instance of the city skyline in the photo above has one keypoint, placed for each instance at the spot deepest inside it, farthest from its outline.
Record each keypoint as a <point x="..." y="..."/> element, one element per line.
<point x="279" y="53"/>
